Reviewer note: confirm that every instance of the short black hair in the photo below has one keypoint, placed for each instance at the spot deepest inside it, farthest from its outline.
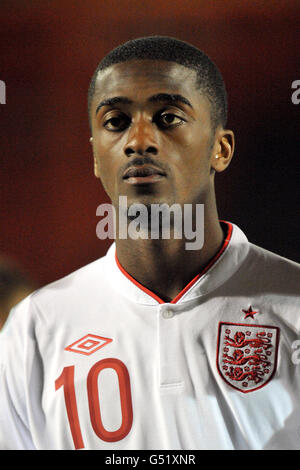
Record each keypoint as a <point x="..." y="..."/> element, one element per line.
<point x="209" y="78"/>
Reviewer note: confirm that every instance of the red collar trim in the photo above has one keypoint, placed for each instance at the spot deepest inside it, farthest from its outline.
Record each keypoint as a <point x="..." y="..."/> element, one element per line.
<point x="192" y="282"/>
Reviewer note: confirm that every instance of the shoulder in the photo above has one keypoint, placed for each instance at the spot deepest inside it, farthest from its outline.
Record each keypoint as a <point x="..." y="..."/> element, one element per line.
<point x="80" y="283"/>
<point x="67" y="296"/>
<point x="264" y="260"/>
<point x="270" y="273"/>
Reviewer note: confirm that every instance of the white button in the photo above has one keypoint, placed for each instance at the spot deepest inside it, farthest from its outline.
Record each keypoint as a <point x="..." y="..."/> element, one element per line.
<point x="168" y="314"/>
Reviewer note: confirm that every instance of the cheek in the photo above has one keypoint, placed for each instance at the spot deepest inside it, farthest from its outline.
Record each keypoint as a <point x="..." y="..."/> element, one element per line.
<point x="105" y="169"/>
<point x="194" y="139"/>
<point x="193" y="170"/>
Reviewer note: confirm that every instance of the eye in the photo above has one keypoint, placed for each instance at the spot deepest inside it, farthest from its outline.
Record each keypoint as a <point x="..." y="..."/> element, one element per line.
<point x="167" y="120"/>
<point x="117" y="123"/>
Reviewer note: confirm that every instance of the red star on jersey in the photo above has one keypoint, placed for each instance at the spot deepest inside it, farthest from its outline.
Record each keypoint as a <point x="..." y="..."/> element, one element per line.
<point x="249" y="313"/>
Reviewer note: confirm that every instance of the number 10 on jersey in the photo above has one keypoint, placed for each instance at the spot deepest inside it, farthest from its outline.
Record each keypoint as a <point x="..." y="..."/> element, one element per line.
<point x="66" y="380"/>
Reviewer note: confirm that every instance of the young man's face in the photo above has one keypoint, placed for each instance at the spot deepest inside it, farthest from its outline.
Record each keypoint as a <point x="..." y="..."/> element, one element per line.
<point x="153" y="141"/>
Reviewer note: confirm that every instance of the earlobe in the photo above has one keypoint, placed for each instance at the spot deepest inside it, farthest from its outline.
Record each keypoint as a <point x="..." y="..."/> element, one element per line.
<point x="96" y="168"/>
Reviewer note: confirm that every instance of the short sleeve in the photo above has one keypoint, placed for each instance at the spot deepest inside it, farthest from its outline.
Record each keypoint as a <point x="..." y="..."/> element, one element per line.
<point x="14" y="428"/>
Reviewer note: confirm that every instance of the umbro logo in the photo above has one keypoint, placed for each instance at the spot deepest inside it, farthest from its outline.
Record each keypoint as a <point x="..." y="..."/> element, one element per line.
<point x="88" y="344"/>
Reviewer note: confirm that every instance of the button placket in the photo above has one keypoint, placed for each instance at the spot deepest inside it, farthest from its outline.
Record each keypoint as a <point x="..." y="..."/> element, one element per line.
<point x="167" y="314"/>
<point x="169" y="347"/>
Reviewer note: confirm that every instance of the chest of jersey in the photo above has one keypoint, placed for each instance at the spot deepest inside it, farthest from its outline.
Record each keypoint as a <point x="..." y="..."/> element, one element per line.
<point x="168" y="377"/>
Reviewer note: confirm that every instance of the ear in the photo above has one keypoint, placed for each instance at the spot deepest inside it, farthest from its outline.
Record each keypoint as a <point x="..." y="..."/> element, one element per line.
<point x="96" y="167"/>
<point x="223" y="149"/>
<point x="96" y="164"/>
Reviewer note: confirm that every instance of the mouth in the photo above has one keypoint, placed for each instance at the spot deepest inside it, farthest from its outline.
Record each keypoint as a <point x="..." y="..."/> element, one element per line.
<point x="143" y="175"/>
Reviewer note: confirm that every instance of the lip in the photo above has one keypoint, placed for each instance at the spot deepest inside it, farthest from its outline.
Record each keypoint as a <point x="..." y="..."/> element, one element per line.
<point x="143" y="175"/>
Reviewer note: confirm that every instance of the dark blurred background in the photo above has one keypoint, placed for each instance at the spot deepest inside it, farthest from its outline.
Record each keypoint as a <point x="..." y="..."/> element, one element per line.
<point x="49" y="50"/>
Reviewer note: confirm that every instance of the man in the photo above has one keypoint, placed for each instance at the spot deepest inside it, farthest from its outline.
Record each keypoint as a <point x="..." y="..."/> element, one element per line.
<point x="156" y="346"/>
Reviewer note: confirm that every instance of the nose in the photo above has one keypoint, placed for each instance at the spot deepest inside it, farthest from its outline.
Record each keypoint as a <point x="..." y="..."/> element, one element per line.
<point x="141" y="139"/>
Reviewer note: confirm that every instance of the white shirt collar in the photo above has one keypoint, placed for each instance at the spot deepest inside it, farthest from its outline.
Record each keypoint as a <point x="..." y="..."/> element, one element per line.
<point x="225" y="263"/>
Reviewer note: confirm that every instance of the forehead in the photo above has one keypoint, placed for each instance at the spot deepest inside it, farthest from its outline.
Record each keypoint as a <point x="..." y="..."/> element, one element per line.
<point x="145" y="76"/>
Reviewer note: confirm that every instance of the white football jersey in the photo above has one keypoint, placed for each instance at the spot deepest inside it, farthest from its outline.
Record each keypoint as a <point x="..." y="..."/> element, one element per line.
<point x="97" y="361"/>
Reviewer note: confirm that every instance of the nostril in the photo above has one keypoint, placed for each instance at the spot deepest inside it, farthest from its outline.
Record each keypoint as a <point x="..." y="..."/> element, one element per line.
<point x="129" y="151"/>
<point x="152" y="150"/>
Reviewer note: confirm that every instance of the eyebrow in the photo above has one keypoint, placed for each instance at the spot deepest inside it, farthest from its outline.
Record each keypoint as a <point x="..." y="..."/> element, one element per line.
<point x="113" y="101"/>
<point x="169" y="98"/>
<point x="159" y="97"/>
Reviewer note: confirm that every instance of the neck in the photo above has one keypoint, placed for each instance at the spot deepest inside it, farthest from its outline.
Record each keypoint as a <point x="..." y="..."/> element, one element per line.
<point x="165" y="266"/>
